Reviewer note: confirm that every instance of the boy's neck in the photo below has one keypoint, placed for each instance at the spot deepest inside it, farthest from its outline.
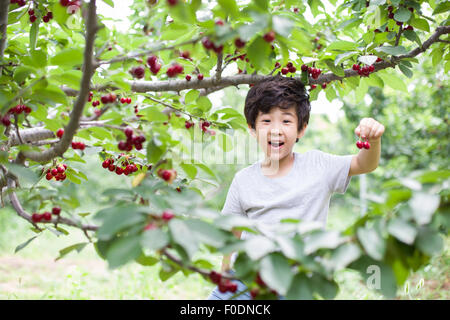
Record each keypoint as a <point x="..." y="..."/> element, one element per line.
<point x="277" y="167"/>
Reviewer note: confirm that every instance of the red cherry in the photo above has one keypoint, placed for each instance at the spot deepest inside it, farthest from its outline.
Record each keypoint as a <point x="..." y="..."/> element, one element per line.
<point x="167" y="215"/>
<point x="188" y="77"/>
<point x="292" y="69"/>
<point x="111" y="167"/>
<point x="172" y="2"/>
<point x="284" y="70"/>
<point x="366" y="145"/>
<point x="313" y="86"/>
<point x="54" y="171"/>
<point x="359" y="144"/>
<point x="371" y="68"/>
<point x="46" y="19"/>
<point x="32" y="19"/>
<point x="324" y="85"/>
<point x="304" y="68"/>
<point x="155" y="68"/>
<point x="60" y="133"/>
<point x="56" y="210"/>
<point x="200" y="76"/>
<point x="207" y="43"/>
<point x="185" y="54"/>
<point x="270" y="36"/>
<point x="6" y="121"/>
<point x="128" y="132"/>
<point x="60" y="169"/>
<point x="254" y="292"/>
<point x="105" y="164"/>
<point x="152" y="60"/>
<point x="356" y="67"/>
<point x="166" y="175"/>
<point x="215" y="277"/>
<point x="36" y="217"/>
<point x="49" y="176"/>
<point x="239" y="43"/>
<point x="47" y="216"/>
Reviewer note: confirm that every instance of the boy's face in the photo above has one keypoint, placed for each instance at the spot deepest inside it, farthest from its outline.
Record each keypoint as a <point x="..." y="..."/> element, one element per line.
<point x="276" y="132"/>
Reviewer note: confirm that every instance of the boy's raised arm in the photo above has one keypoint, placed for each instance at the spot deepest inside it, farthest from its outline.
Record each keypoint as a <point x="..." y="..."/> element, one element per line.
<point x="226" y="258"/>
<point x="367" y="159"/>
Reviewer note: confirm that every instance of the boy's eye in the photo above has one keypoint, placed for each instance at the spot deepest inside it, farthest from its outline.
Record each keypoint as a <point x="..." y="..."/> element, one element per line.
<point x="266" y="120"/>
<point x="286" y="121"/>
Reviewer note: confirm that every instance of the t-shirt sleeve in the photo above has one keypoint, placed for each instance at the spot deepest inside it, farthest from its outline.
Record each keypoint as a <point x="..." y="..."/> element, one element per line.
<point x="336" y="171"/>
<point x="232" y="203"/>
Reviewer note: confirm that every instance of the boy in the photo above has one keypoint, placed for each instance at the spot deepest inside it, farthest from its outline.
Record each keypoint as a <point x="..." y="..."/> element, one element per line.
<point x="287" y="184"/>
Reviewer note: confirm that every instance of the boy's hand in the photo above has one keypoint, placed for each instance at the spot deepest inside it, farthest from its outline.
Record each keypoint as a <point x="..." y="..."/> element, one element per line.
<point x="370" y="128"/>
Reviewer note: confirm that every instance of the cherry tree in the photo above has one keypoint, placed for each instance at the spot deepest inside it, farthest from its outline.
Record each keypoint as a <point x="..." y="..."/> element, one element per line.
<point x="71" y="86"/>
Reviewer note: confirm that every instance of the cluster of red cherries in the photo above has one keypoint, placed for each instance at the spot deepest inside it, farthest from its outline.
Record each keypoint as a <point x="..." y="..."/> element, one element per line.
<point x="364" y="71"/>
<point x="58" y="172"/>
<point x="137" y="141"/>
<point x="126" y="167"/>
<point x="289" y="68"/>
<point x="46" y="216"/>
<point x="223" y="284"/>
<point x="363" y="144"/>
<point x="18" y="109"/>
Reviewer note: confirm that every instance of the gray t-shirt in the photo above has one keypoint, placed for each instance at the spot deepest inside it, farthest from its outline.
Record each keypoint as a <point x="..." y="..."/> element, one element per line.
<point x="304" y="193"/>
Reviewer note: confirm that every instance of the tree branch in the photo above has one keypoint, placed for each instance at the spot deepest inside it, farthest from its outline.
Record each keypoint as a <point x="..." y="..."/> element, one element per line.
<point x="88" y="70"/>
<point x="4" y="8"/>
<point x="214" y="84"/>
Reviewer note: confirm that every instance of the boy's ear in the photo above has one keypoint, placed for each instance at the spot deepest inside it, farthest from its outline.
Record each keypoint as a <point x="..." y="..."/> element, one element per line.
<point x="302" y="133"/>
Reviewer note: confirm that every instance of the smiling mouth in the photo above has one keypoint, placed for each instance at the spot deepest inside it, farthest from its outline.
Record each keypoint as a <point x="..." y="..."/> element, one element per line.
<point x="276" y="145"/>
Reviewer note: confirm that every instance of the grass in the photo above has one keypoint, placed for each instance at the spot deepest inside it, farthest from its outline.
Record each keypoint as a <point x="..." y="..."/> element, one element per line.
<point x="32" y="273"/>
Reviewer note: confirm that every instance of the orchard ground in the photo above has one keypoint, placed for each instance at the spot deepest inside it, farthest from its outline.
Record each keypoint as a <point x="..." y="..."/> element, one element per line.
<point x="32" y="272"/>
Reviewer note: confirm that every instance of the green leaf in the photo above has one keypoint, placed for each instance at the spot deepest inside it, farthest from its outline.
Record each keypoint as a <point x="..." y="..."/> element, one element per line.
<point x="225" y="142"/>
<point x="393" y="81"/>
<point x="372" y="242"/>
<point x="123" y="250"/>
<point x="147" y="260"/>
<point x="258" y="51"/>
<point x="424" y="205"/>
<point x="190" y="170"/>
<point x="421" y="24"/>
<point x="206" y="233"/>
<point x="282" y="25"/>
<point x="337" y="70"/>
<point x="429" y="241"/>
<point x="327" y="289"/>
<point x="395" y="51"/>
<point x="191" y="96"/>
<point x="154" y="239"/>
<point x="68" y="58"/>
<point x="21" y="73"/>
<point x="344" y="56"/>
<point x="65" y="251"/>
<point x="300" y="288"/>
<point x="34" y="31"/>
<point x="182" y="235"/>
<point x="117" y="218"/>
<point x="230" y="7"/>
<point x="276" y="272"/>
<point x="23" y="245"/>
<point x="154" y="114"/>
<point x="109" y="2"/>
<point x="406" y="71"/>
<point x="322" y="239"/>
<point x="258" y="246"/>
<point x="154" y="152"/>
<point x="402" y="230"/>
<point x="441" y="7"/>
<point x="344" y="255"/>
<point x="204" y="103"/>
<point x="342" y="45"/>
<point x="402" y="15"/>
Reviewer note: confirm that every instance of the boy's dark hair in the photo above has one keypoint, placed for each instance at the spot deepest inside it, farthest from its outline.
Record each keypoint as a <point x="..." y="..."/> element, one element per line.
<point x="278" y="91"/>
